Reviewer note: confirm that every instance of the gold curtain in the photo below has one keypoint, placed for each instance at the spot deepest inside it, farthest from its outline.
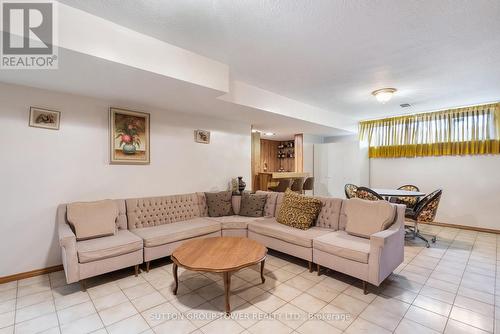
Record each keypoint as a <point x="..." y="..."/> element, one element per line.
<point x="463" y="131"/>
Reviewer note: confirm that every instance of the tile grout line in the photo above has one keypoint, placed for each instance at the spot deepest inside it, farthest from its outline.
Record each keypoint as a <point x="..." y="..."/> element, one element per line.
<point x="54" y="301"/>
<point x="459" y="284"/>
<point x="15" y="308"/>
<point x="130" y="301"/>
<point x="423" y="285"/>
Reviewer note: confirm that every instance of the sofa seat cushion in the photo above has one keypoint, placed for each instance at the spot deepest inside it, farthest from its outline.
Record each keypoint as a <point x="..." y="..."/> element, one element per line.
<point x="344" y="245"/>
<point x="167" y="233"/>
<point x="122" y="242"/>
<point x="271" y="228"/>
<point x="232" y="222"/>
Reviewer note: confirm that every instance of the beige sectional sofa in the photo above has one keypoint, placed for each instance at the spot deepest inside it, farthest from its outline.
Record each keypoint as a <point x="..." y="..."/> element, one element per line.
<point x="151" y="228"/>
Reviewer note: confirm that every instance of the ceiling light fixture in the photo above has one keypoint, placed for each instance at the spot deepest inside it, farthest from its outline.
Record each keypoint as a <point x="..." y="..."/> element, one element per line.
<point x="384" y="95"/>
<point x="268" y="133"/>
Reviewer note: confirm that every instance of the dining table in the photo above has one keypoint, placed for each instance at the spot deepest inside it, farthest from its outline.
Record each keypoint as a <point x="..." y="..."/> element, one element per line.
<point x="388" y="193"/>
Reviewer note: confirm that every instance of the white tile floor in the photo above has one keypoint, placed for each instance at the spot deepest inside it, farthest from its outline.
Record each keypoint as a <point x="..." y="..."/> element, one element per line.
<point x="448" y="288"/>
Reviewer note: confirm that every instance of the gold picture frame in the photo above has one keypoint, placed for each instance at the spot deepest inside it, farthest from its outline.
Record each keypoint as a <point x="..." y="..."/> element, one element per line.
<point x="44" y="118"/>
<point x="129" y="137"/>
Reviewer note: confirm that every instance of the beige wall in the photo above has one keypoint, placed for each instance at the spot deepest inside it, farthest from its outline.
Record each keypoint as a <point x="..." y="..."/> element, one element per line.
<point x="471" y="185"/>
<point x="42" y="168"/>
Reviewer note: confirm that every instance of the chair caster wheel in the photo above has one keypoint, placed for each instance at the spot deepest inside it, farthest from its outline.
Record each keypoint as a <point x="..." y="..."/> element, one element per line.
<point x="433" y="239"/>
<point x="427" y="245"/>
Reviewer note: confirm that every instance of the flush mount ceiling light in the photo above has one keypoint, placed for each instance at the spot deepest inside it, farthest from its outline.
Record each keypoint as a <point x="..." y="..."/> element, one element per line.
<point x="384" y="95"/>
<point x="269" y="133"/>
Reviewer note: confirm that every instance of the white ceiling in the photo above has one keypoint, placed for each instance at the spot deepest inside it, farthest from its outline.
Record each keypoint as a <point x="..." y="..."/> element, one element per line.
<point x="333" y="53"/>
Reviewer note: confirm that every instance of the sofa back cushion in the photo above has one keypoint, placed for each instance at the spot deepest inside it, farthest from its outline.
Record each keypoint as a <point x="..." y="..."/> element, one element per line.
<point x="329" y="215"/>
<point x="343" y="215"/>
<point x="270" y="207"/>
<point x="153" y="211"/>
<point x="220" y="203"/>
<point x="92" y="219"/>
<point x="202" y="204"/>
<point x="365" y="218"/>
<point x="298" y="211"/>
<point x="252" y="205"/>
<point x="279" y="200"/>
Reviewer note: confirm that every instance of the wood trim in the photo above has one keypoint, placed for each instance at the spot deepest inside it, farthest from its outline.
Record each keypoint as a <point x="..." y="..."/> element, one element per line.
<point x="255" y="160"/>
<point x="463" y="227"/>
<point x="299" y="153"/>
<point x="32" y="273"/>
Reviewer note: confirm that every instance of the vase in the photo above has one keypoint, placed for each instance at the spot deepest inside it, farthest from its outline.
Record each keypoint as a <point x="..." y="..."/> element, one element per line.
<point x="129" y="149"/>
<point x="241" y="184"/>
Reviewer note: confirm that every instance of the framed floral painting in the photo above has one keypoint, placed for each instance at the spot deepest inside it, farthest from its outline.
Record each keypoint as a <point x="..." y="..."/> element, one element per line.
<point x="129" y="136"/>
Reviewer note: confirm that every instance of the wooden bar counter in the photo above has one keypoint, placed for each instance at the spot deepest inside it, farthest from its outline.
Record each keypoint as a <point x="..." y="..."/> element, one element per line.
<point x="266" y="177"/>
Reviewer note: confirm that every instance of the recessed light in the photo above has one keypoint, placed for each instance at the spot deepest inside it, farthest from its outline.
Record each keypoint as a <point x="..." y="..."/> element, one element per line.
<point x="269" y="134"/>
<point x="384" y="95"/>
<point x="405" y="105"/>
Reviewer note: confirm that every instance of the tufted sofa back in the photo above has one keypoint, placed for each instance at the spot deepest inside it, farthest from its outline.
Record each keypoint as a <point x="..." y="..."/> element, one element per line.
<point x="329" y="215"/>
<point x="153" y="211"/>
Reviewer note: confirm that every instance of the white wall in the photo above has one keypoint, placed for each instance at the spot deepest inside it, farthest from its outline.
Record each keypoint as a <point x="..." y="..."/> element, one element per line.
<point x="308" y="151"/>
<point x="471" y="185"/>
<point x="338" y="163"/>
<point x="41" y="168"/>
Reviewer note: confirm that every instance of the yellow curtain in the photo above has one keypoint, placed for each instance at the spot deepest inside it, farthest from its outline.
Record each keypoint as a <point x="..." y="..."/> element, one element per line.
<point x="463" y="131"/>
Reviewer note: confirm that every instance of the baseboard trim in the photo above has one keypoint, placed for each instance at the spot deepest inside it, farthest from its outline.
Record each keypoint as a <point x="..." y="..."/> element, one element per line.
<point x="32" y="273"/>
<point x="464" y="227"/>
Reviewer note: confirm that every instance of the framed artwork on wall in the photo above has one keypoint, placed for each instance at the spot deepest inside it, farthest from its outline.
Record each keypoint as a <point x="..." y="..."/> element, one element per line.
<point x="44" y="118"/>
<point x="129" y="137"/>
<point x="202" y="136"/>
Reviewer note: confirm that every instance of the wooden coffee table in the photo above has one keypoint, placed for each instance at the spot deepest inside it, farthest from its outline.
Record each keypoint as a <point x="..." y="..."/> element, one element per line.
<point x="219" y="255"/>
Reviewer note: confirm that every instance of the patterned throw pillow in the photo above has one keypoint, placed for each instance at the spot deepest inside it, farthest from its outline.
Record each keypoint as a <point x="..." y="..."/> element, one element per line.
<point x="252" y="205"/>
<point x="219" y="204"/>
<point x="298" y="211"/>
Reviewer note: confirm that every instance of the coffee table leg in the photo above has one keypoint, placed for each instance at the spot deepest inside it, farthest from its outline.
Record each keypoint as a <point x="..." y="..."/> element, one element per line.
<point x="262" y="271"/>
<point x="174" y="269"/>
<point x="227" y="288"/>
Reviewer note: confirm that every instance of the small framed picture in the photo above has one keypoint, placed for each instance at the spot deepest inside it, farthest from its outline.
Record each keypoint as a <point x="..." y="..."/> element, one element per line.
<point x="202" y="136"/>
<point x="44" y="118"/>
<point x="129" y="136"/>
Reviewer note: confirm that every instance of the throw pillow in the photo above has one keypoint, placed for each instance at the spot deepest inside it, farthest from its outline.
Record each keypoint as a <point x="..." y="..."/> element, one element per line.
<point x="252" y="205"/>
<point x="219" y="204"/>
<point x="365" y="218"/>
<point x="92" y="219"/>
<point x="298" y="211"/>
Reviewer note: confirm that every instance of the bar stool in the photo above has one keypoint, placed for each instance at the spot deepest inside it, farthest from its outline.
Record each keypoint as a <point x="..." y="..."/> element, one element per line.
<point x="298" y="184"/>
<point x="282" y="186"/>
<point x="309" y="184"/>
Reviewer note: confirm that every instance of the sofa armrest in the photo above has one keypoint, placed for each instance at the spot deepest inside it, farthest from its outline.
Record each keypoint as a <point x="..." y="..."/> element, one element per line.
<point x="387" y="249"/>
<point x="67" y="238"/>
<point x="380" y="239"/>
<point x="67" y="241"/>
